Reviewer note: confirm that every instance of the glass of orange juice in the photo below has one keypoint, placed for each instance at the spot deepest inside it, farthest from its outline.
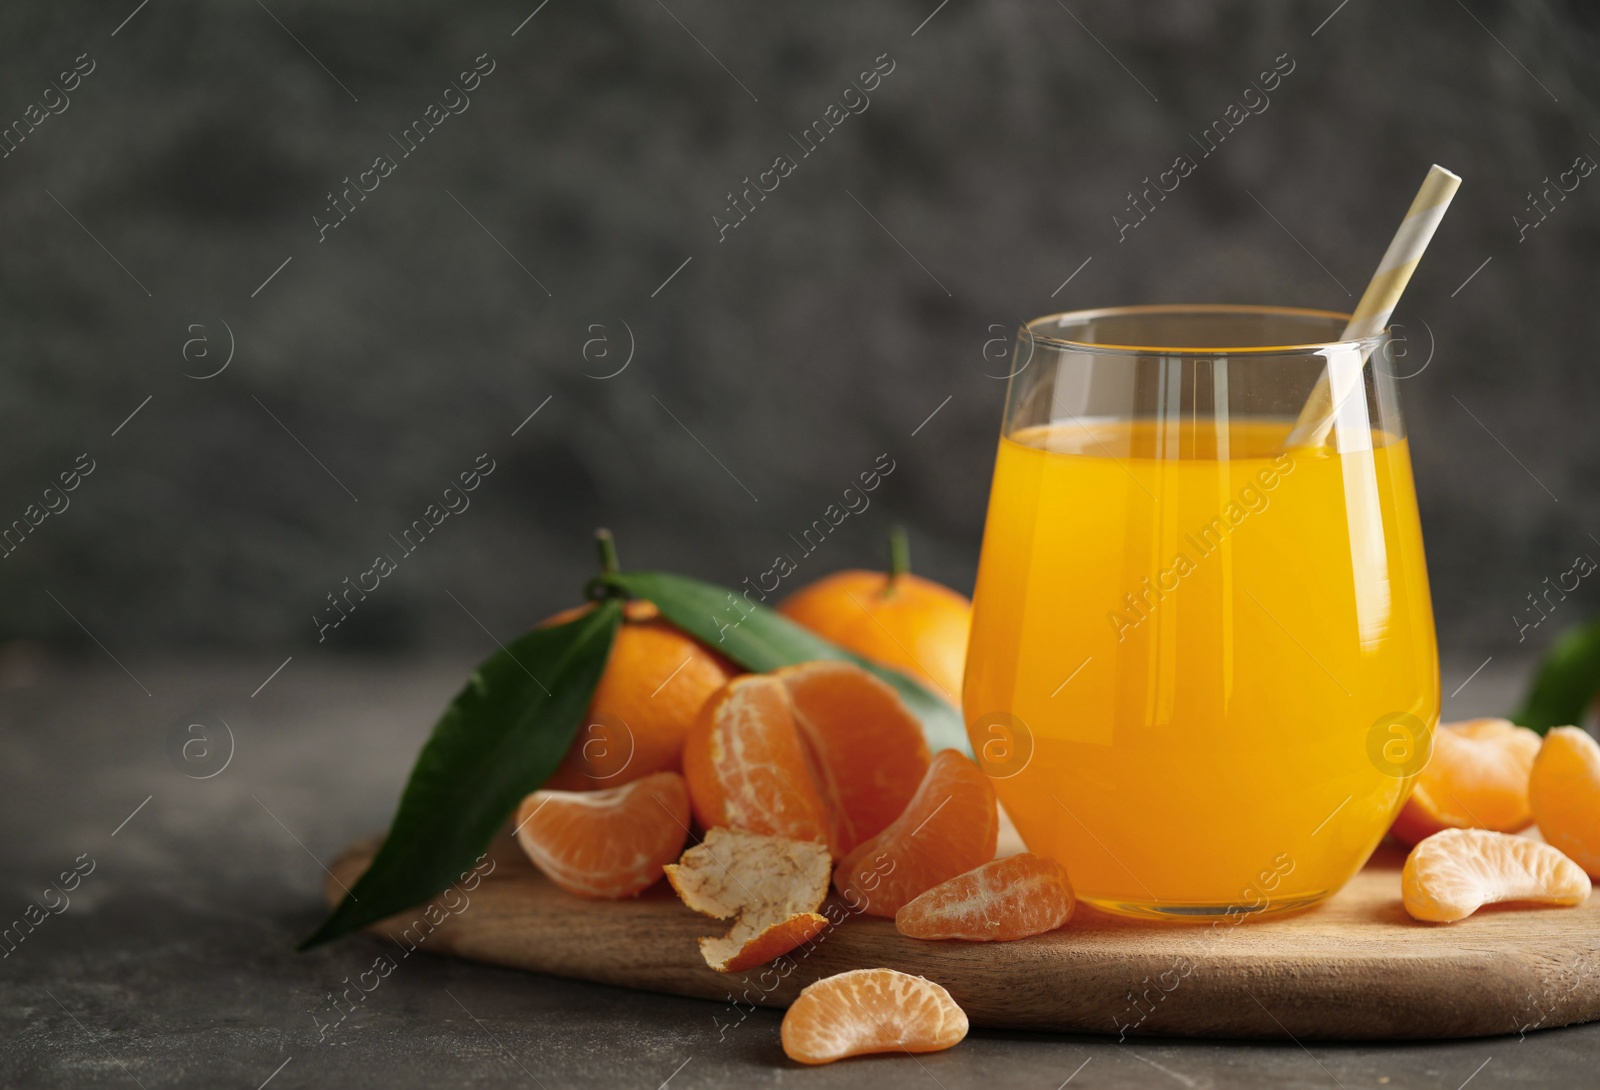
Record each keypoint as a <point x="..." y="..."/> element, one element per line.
<point x="1202" y="668"/>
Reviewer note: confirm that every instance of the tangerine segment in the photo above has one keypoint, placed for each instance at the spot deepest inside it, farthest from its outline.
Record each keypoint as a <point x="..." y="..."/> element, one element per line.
<point x="746" y="765"/>
<point x="948" y="828"/>
<point x="653" y="685"/>
<point x="1452" y="874"/>
<point x="769" y="885"/>
<point x="907" y="622"/>
<point x="1476" y="778"/>
<point x="1565" y="791"/>
<point x="867" y="750"/>
<point x="870" y="1010"/>
<point x="606" y="844"/>
<point x="1001" y="900"/>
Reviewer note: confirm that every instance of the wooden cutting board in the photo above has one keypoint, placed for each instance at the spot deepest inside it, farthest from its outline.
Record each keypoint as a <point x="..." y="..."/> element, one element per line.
<point x="1355" y="967"/>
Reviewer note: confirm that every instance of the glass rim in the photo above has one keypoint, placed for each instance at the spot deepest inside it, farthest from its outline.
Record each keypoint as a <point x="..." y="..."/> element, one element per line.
<point x="1177" y="309"/>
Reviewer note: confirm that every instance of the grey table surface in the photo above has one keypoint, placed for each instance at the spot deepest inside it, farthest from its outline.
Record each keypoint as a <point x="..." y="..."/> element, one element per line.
<point x="173" y="962"/>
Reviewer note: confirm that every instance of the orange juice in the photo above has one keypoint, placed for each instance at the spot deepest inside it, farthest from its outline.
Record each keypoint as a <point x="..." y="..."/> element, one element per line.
<point x="1192" y="650"/>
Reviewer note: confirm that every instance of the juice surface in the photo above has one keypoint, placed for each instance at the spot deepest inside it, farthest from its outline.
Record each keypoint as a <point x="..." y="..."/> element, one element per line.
<point x="1206" y="644"/>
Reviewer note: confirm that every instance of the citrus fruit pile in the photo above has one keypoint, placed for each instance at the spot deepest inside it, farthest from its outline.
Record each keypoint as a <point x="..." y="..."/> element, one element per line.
<point x="796" y="779"/>
<point x="1486" y="780"/>
<point x="805" y="775"/>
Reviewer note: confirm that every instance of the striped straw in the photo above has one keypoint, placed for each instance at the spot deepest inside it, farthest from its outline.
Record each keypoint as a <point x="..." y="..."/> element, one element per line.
<point x="1378" y="301"/>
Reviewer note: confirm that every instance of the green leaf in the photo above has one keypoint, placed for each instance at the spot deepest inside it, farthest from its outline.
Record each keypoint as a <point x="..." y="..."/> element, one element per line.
<point x="498" y="741"/>
<point x="1566" y="682"/>
<point x="762" y="639"/>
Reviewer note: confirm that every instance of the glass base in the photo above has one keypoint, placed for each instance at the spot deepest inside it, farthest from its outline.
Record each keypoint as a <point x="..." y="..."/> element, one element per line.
<point x="1178" y="912"/>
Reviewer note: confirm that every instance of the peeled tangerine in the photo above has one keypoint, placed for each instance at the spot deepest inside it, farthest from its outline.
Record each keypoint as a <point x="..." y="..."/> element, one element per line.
<point x="1452" y="874"/>
<point x="948" y="828"/>
<point x="1477" y="778"/>
<point x="606" y="844"/>
<point x="1566" y="795"/>
<point x="769" y="886"/>
<point x="819" y="751"/>
<point x="870" y="1010"/>
<point x="1004" y="899"/>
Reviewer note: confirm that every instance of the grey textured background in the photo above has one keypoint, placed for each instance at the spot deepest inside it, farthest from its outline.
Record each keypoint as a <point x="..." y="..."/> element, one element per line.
<point x="796" y="351"/>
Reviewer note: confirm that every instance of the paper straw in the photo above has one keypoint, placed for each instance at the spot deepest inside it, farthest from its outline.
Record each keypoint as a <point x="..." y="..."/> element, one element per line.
<point x="1378" y="301"/>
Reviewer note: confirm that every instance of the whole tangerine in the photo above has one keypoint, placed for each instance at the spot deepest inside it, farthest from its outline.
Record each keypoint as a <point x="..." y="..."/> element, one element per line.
<point x="654" y="683"/>
<point x="894" y="618"/>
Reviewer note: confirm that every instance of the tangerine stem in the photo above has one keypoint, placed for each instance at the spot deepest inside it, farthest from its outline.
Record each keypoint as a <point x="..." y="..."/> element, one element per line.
<point x="607" y="547"/>
<point x="899" y="556"/>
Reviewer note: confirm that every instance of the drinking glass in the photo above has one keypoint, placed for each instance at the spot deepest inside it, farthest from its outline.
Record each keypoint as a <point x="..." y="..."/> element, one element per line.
<point x="1202" y="669"/>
